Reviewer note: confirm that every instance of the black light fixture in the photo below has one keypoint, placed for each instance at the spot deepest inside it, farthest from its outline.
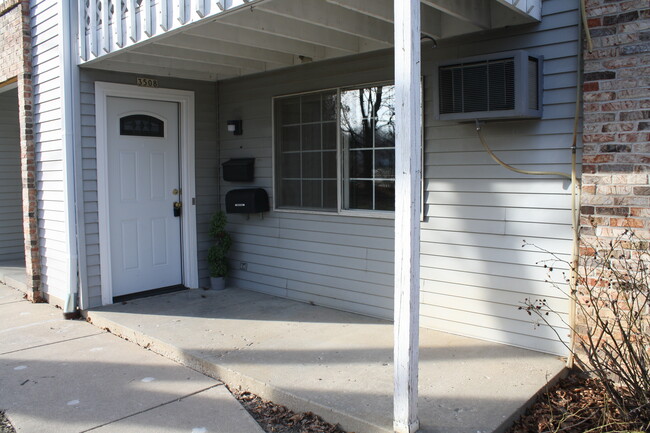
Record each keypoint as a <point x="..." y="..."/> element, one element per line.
<point x="235" y="127"/>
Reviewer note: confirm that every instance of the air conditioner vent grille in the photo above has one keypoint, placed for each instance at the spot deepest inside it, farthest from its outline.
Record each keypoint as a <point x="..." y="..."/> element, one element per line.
<point x="496" y="86"/>
<point x="477" y="87"/>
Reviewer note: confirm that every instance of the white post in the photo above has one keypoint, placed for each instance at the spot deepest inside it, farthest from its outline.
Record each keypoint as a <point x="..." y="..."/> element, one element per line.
<point x="118" y="30"/>
<point x="92" y="28"/>
<point x="148" y="22"/>
<point x="181" y="11"/>
<point x="81" y="21"/>
<point x="199" y="8"/>
<point x="163" y="19"/>
<point x="133" y="31"/>
<point x="408" y="157"/>
<point x="106" y="28"/>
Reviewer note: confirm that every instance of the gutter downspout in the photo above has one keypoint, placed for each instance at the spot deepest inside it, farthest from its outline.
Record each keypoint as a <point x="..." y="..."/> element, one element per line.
<point x="68" y="73"/>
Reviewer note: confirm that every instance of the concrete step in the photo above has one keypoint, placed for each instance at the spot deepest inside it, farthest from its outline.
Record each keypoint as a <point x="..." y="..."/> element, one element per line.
<point x="337" y="365"/>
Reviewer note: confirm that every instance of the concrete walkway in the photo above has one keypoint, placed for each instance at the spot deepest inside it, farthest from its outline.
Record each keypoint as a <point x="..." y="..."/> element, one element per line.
<point x="69" y="376"/>
<point x="12" y="274"/>
<point x="335" y="364"/>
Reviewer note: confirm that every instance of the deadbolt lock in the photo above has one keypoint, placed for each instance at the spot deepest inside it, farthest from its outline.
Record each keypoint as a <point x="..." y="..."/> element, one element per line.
<point x="175" y="191"/>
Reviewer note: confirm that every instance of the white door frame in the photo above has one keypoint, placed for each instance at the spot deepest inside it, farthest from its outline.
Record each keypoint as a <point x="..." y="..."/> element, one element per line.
<point x="185" y="100"/>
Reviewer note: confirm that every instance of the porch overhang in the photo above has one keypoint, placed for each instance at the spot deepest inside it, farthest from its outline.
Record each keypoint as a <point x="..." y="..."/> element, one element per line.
<point x="216" y="40"/>
<point x="243" y="37"/>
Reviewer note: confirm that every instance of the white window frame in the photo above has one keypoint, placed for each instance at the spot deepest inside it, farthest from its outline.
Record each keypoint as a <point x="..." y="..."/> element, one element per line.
<point x="340" y="210"/>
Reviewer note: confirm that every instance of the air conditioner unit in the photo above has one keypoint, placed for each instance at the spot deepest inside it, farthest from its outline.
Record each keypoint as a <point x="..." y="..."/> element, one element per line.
<point x="496" y="86"/>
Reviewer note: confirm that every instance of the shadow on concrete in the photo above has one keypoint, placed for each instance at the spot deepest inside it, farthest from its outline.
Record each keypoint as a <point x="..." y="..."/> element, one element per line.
<point x="41" y="398"/>
<point x="336" y="364"/>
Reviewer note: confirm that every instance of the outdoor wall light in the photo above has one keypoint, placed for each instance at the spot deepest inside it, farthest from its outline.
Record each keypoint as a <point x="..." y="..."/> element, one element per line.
<point x="234" y="126"/>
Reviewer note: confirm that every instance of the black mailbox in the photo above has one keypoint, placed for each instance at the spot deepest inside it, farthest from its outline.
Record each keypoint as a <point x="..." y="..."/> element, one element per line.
<point x="239" y="170"/>
<point x="249" y="200"/>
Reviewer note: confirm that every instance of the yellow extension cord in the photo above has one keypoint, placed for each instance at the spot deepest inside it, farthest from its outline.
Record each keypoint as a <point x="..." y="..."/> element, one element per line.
<point x="575" y="182"/>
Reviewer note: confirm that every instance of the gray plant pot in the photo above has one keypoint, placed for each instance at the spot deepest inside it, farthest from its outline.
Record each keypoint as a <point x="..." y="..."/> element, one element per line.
<point x="218" y="283"/>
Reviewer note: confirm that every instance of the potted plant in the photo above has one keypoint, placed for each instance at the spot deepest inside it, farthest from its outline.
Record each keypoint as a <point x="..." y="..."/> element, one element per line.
<point x="217" y="254"/>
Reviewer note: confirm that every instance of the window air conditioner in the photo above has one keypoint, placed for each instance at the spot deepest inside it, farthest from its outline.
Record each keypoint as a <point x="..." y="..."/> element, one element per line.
<point x="497" y="86"/>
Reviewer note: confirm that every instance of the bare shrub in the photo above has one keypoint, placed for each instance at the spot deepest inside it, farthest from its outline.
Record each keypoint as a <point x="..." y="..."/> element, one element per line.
<point x="611" y="339"/>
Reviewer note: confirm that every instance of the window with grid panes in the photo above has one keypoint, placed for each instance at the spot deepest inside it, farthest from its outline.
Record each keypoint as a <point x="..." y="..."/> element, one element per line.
<point x="367" y="119"/>
<point x="306" y="144"/>
<point x="305" y="151"/>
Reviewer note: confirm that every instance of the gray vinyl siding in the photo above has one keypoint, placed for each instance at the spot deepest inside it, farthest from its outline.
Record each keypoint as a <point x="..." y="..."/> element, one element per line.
<point x="340" y="261"/>
<point x="475" y="273"/>
<point x="207" y="186"/>
<point x="11" y="219"/>
<point x="50" y="181"/>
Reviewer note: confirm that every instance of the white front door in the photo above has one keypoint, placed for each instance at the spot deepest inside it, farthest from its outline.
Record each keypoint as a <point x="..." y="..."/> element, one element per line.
<point x="143" y="185"/>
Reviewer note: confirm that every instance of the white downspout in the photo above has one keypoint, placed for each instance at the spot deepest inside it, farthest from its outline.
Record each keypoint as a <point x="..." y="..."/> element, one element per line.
<point x="67" y="76"/>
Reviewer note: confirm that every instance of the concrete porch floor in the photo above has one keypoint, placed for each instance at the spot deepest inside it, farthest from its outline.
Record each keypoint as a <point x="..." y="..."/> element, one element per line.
<point x="13" y="274"/>
<point x="335" y="364"/>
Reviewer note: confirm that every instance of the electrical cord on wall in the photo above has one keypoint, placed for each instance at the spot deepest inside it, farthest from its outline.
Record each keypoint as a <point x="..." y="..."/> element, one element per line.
<point x="575" y="217"/>
<point x="510" y="167"/>
<point x="575" y="181"/>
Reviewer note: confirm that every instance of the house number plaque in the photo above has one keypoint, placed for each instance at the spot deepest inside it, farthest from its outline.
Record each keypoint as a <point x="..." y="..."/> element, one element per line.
<point x="147" y="82"/>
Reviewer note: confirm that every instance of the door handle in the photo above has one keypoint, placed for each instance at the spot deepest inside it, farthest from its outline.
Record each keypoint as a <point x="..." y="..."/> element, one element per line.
<point x="177" y="208"/>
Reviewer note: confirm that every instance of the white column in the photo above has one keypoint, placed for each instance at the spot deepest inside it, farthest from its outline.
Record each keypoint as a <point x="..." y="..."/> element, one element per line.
<point x="408" y="157"/>
<point x="81" y="25"/>
<point x="106" y="28"/>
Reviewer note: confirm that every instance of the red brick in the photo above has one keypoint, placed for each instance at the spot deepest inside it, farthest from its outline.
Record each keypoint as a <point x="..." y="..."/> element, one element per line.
<point x="620" y="126"/>
<point x="619" y="211"/>
<point x="621" y="62"/>
<point x="589" y="189"/>
<point x="15" y="62"/>
<point x="599" y="138"/>
<point x="626" y="222"/>
<point x="597" y="159"/>
<point x="595" y="22"/>
<point x="618" y="196"/>
<point x="619" y="105"/>
<point x="599" y="96"/>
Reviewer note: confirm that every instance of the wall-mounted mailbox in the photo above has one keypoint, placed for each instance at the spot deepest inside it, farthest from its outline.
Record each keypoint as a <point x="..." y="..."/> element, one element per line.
<point x="249" y="200"/>
<point x="239" y="170"/>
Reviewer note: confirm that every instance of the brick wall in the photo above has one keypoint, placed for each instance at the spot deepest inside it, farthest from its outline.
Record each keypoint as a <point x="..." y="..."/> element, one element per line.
<point x="11" y="54"/>
<point x="16" y="65"/>
<point x="616" y="134"/>
<point x="616" y="160"/>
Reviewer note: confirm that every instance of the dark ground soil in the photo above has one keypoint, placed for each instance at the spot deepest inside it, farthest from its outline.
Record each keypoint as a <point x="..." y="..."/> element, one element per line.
<point x="5" y="425"/>
<point x="576" y="404"/>
<point x="274" y="418"/>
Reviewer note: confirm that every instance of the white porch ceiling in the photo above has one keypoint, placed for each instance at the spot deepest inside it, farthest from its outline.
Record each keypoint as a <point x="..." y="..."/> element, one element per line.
<point x="240" y="37"/>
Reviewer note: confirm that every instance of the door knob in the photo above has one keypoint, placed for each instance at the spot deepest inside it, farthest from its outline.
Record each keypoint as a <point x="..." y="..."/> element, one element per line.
<point x="177" y="208"/>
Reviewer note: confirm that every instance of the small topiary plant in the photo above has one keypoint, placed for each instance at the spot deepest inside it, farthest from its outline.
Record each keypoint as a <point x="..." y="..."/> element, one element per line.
<point x="217" y="260"/>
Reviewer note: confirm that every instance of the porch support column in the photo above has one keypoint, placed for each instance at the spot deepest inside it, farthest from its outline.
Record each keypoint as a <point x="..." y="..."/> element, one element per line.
<point x="407" y="214"/>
